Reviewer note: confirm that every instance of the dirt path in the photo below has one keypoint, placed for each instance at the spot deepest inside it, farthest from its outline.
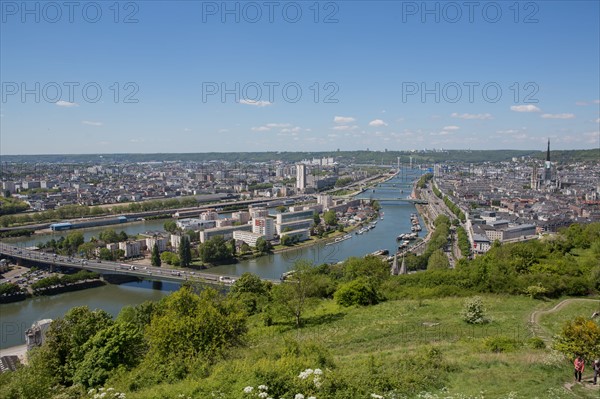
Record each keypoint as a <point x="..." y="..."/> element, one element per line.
<point x="534" y="318"/>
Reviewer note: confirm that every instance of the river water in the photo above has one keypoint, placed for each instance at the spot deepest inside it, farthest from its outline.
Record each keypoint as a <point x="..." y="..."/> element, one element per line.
<point x="15" y="318"/>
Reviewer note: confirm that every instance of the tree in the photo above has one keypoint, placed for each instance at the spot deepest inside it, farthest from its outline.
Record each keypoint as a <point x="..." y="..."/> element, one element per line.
<point x="251" y="291"/>
<point x="118" y="346"/>
<point x="170" y="258"/>
<point x="185" y="252"/>
<point x="245" y="248"/>
<point x="232" y="247"/>
<point x="189" y="325"/>
<point x="357" y="292"/>
<point x="170" y="226"/>
<point x="281" y="208"/>
<point x="579" y="336"/>
<point x="73" y="240"/>
<point x="262" y="245"/>
<point x="316" y="219"/>
<point x="330" y="218"/>
<point x="87" y="249"/>
<point x="105" y="254"/>
<point x="109" y="235"/>
<point x="155" y="259"/>
<point x="214" y="250"/>
<point x="294" y="296"/>
<point x="123" y="236"/>
<point x="286" y="240"/>
<point x="66" y="338"/>
<point x="438" y="260"/>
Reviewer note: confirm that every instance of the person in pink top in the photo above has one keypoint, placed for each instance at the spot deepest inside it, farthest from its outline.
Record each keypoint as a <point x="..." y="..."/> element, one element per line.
<point x="579" y="367"/>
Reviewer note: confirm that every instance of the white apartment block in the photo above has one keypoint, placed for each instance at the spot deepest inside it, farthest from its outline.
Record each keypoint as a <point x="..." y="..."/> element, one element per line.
<point x="160" y="242"/>
<point x="248" y="237"/>
<point x="264" y="226"/>
<point x="131" y="248"/>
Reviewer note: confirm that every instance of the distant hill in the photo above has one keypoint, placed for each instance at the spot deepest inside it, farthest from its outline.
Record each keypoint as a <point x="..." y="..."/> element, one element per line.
<point x="360" y="157"/>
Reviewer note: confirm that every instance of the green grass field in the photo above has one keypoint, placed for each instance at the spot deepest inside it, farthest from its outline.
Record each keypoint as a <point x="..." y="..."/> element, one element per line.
<point x="361" y="342"/>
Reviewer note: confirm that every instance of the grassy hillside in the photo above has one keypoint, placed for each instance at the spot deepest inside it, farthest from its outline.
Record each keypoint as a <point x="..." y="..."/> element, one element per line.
<point x="363" y="344"/>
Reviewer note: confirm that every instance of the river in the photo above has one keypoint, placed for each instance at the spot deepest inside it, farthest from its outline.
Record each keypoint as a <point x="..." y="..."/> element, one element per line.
<point x="15" y="318"/>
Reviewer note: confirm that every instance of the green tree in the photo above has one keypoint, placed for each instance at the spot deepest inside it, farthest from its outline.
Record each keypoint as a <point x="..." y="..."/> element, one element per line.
<point x="87" y="249"/>
<point x="184" y="251"/>
<point x="190" y="325"/>
<point x="155" y="257"/>
<point x="330" y="218"/>
<point x="109" y="236"/>
<point x="438" y="260"/>
<point x="579" y="336"/>
<point x="64" y="350"/>
<point x="251" y="291"/>
<point x="297" y="294"/>
<point x="170" y="226"/>
<point x="357" y="292"/>
<point x="214" y="250"/>
<point x="281" y="208"/>
<point x="286" y="240"/>
<point x="316" y="219"/>
<point x="105" y="254"/>
<point x="263" y="246"/>
<point x="72" y="241"/>
<point x="118" y="346"/>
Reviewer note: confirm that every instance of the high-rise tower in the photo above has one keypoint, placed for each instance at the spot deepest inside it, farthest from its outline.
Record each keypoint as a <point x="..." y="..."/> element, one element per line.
<point x="548" y="166"/>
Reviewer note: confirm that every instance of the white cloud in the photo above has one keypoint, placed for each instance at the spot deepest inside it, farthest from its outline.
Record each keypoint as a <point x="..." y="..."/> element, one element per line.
<point x="343" y="119"/>
<point x="277" y="125"/>
<point x="259" y="103"/>
<point x="187" y="129"/>
<point x="377" y="123"/>
<point x="450" y="128"/>
<point x="66" y="104"/>
<point x="596" y="101"/>
<point x="223" y="130"/>
<point x="525" y="108"/>
<point x="345" y="127"/>
<point x="558" y="116"/>
<point x="598" y="120"/>
<point x="260" y="129"/>
<point x="471" y="116"/>
<point x="581" y="103"/>
<point x="91" y="123"/>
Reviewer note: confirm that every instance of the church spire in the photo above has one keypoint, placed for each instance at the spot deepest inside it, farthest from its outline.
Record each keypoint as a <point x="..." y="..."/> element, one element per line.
<point x="548" y="152"/>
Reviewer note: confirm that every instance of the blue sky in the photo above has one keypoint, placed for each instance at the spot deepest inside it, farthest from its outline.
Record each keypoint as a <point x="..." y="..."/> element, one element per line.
<point x="372" y="74"/>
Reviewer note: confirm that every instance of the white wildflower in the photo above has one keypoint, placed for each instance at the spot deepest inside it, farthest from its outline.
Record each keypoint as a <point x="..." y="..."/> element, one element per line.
<point x="299" y="395"/>
<point x="318" y="371"/>
<point x="375" y="396"/>
<point x="263" y="395"/>
<point x="305" y="374"/>
<point x="248" y="389"/>
<point x="91" y="391"/>
<point x="263" y="388"/>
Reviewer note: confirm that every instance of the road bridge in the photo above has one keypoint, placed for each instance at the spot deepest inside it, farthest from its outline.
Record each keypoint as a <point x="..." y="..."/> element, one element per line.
<point x="113" y="268"/>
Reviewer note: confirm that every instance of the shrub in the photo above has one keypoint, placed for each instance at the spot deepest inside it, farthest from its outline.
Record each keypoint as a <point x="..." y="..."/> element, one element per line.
<point x="536" y="343"/>
<point x="357" y="292"/>
<point x="474" y="312"/>
<point x="501" y="344"/>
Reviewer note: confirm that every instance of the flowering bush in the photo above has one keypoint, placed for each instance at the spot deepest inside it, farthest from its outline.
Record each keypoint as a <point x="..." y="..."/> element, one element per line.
<point x="108" y="393"/>
<point x="474" y="312"/>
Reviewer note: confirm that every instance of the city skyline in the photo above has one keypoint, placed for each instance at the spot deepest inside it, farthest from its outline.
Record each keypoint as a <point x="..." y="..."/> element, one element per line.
<point x="146" y="78"/>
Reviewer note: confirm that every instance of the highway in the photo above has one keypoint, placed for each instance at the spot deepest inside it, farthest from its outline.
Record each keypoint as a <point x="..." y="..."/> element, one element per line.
<point x="105" y="267"/>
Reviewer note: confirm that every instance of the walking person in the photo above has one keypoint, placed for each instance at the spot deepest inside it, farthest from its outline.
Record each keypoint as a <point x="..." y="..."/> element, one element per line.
<point x="579" y="367"/>
<point x="596" y="370"/>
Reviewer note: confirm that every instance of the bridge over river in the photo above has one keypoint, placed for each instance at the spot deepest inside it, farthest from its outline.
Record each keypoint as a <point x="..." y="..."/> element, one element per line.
<point x="112" y="268"/>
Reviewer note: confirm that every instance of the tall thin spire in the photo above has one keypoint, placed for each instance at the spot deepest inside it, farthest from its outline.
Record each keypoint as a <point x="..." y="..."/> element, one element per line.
<point x="548" y="152"/>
